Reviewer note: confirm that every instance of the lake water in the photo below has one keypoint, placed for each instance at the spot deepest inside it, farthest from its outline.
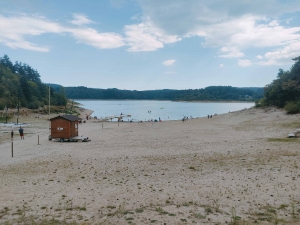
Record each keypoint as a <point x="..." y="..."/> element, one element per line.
<point x="165" y="110"/>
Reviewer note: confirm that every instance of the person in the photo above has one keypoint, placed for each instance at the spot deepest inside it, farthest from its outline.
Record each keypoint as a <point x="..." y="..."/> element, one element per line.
<point x="207" y="116"/>
<point x="12" y="134"/>
<point x="21" y="131"/>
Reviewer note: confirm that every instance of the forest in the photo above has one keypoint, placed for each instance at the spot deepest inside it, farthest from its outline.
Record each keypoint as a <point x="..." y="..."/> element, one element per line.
<point x="285" y="90"/>
<point x="21" y="86"/>
<point x="212" y="93"/>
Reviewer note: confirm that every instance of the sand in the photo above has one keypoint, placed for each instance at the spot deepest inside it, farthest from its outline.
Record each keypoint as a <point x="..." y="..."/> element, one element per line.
<point x="235" y="167"/>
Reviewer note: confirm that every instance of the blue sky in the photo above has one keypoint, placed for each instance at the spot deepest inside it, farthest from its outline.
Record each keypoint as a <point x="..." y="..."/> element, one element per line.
<point x="152" y="44"/>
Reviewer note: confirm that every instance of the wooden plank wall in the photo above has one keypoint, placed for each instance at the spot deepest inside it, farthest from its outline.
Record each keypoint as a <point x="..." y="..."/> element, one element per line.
<point x="57" y="132"/>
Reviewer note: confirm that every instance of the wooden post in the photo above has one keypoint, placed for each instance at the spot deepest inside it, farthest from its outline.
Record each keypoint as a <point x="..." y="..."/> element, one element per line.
<point x="12" y="149"/>
<point x="38" y="139"/>
<point x="102" y="125"/>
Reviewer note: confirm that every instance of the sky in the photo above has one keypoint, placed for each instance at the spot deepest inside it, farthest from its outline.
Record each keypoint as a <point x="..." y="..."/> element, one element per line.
<point x="152" y="44"/>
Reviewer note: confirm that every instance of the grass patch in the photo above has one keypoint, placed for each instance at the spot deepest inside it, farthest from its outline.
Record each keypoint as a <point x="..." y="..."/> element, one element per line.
<point x="208" y="210"/>
<point x="199" y="216"/>
<point x="161" y="211"/>
<point x="139" y="210"/>
<point x="130" y="218"/>
<point x="290" y="125"/>
<point x="282" y="139"/>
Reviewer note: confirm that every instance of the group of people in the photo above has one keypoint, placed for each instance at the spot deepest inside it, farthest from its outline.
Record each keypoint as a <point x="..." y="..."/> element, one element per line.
<point x="185" y="118"/>
<point x="209" y="116"/>
<point x="21" y="132"/>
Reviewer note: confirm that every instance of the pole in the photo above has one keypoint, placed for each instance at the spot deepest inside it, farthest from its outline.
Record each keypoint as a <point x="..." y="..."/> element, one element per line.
<point x="12" y="149"/>
<point x="6" y="115"/>
<point x="102" y="125"/>
<point x="49" y="100"/>
<point x="18" y="114"/>
<point x="38" y="139"/>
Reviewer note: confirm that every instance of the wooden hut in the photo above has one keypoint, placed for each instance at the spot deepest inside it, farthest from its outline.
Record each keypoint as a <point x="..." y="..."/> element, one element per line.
<point x="64" y="127"/>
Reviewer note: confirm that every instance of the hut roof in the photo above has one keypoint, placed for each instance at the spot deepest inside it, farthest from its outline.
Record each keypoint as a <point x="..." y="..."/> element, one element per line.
<point x="67" y="117"/>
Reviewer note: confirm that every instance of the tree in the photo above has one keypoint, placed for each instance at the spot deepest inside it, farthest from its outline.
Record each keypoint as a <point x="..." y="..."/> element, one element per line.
<point x="285" y="89"/>
<point x="5" y="61"/>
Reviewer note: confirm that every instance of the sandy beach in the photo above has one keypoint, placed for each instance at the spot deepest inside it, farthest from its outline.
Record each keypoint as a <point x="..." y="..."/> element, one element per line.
<point x="236" y="168"/>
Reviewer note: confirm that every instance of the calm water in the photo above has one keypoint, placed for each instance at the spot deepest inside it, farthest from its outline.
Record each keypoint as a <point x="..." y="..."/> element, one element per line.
<point x="166" y="110"/>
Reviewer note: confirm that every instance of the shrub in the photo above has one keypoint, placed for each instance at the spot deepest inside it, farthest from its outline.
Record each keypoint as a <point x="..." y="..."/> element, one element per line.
<point x="2" y="105"/>
<point x="257" y="103"/>
<point x="34" y="105"/>
<point x="292" y="107"/>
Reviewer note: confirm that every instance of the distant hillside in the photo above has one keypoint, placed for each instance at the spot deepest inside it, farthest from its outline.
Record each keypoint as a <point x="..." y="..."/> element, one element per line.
<point x="212" y="93"/>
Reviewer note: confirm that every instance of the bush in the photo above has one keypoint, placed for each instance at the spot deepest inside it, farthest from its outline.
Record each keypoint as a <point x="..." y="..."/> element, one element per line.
<point x="257" y="103"/>
<point x="292" y="107"/>
<point x="2" y="105"/>
<point x="34" y="105"/>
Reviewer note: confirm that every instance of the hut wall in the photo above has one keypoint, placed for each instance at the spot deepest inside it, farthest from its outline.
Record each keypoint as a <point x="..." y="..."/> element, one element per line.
<point x="74" y="128"/>
<point x="60" y="128"/>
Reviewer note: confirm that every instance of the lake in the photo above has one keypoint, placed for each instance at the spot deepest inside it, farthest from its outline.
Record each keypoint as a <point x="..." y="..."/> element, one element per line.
<point x="166" y="110"/>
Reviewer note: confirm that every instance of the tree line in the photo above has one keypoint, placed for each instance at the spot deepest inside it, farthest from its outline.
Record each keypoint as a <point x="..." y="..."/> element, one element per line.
<point x="285" y="90"/>
<point x="21" y="86"/>
<point x="212" y="93"/>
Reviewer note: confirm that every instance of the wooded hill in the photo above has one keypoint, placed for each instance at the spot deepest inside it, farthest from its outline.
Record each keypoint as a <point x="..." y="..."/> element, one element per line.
<point x="285" y="90"/>
<point x="21" y="86"/>
<point x="212" y="93"/>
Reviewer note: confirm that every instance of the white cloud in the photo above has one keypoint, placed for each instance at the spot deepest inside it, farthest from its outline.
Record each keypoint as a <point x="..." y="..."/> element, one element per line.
<point x="230" y="52"/>
<point x="140" y="39"/>
<point x="244" y="63"/>
<point x="169" y="62"/>
<point x="145" y="37"/>
<point x="179" y="17"/>
<point x="281" y="56"/>
<point x="221" y="65"/>
<point x="232" y="25"/>
<point x="15" y="30"/>
<point x="259" y="57"/>
<point x="80" y="19"/>
<point x="99" y="40"/>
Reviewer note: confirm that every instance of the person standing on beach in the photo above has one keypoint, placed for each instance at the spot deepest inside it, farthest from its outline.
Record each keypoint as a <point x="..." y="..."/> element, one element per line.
<point x="12" y="135"/>
<point x="21" y="131"/>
